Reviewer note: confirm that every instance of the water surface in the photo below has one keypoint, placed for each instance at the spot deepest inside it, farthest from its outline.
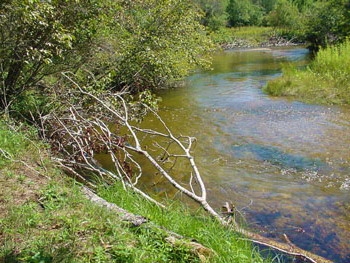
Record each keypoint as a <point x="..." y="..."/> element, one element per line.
<point x="284" y="163"/>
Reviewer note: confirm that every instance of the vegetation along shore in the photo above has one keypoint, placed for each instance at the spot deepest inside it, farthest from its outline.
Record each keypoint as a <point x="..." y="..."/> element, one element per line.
<point x="76" y="80"/>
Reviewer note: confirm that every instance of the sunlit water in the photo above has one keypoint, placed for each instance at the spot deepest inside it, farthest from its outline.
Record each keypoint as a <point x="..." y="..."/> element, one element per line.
<point x="283" y="163"/>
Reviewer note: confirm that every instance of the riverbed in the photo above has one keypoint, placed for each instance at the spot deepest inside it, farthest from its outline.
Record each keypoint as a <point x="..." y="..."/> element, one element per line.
<point x="283" y="163"/>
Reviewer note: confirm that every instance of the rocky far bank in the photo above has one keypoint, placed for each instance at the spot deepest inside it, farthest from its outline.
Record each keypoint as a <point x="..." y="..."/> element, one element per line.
<point x="274" y="41"/>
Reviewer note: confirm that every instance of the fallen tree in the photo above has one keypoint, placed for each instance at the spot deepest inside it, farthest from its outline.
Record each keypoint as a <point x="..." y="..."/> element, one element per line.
<point x="81" y="132"/>
<point x="172" y="238"/>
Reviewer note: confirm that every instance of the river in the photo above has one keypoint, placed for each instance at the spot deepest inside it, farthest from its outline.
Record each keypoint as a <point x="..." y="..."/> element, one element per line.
<point x="283" y="163"/>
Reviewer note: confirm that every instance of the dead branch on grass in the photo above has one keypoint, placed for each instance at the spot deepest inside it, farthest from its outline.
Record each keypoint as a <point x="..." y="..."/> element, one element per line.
<point x="80" y="135"/>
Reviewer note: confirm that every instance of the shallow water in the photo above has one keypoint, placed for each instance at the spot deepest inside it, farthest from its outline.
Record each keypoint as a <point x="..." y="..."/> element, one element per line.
<point x="284" y="164"/>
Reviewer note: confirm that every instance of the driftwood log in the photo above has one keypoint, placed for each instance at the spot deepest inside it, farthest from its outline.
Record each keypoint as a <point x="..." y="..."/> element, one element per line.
<point x="172" y="238"/>
<point x="135" y="220"/>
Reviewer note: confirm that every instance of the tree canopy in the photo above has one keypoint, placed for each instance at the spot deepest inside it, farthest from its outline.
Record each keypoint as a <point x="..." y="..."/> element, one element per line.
<point x="134" y="45"/>
<point x="137" y="45"/>
<point x="319" y="22"/>
<point x="40" y="38"/>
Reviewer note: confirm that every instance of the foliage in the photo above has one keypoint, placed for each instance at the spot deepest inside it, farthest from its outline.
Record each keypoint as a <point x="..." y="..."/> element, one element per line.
<point x="65" y="227"/>
<point x="328" y="23"/>
<point x="268" y="5"/>
<point x="285" y="14"/>
<point x="227" y="245"/>
<point x="45" y="218"/>
<point x="40" y="38"/>
<point x="298" y="20"/>
<point x="303" y="4"/>
<point x="125" y="45"/>
<point x="158" y="42"/>
<point x="244" y="13"/>
<point x="249" y="36"/>
<point x="325" y="81"/>
<point x="214" y="13"/>
<point x="319" y="23"/>
<point x="11" y="143"/>
<point x="256" y="32"/>
<point x="287" y="18"/>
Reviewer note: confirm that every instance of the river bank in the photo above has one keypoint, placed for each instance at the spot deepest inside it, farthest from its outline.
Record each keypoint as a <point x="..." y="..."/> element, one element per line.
<point x="45" y="217"/>
<point x="252" y="37"/>
<point x="325" y="80"/>
<point x="274" y="41"/>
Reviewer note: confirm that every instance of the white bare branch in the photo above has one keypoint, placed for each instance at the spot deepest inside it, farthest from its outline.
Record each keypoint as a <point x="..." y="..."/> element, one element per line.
<point x="81" y="136"/>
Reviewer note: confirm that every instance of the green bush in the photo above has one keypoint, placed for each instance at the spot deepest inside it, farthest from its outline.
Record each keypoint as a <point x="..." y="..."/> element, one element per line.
<point x="40" y="38"/>
<point x="328" y="23"/>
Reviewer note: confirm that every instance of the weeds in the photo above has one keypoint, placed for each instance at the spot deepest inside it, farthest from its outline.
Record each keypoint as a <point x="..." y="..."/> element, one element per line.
<point x="325" y="81"/>
<point x="11" y="144"/>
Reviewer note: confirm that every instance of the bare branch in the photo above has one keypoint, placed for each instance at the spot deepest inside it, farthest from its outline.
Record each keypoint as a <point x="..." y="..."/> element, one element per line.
<point x="79" y="135"/>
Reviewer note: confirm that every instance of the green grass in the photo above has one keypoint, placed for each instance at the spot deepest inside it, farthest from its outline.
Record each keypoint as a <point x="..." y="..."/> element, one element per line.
<point x="11" y="143"/>
<point x="65" y="227"/>
<point x="228" y="246"/>
<point x="325" y="81"/>
<point x="253" y="32"/>
<point x="44" y="217"/>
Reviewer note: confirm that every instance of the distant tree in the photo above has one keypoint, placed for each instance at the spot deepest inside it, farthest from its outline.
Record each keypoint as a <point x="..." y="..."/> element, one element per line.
<point x="328" y="23"/>
<point x="268" y="5"/>
<point x="303" y="4"/>
<point x="244" y="13"/>
<point x="285" y="14"/>
<point x="214" y="13"/>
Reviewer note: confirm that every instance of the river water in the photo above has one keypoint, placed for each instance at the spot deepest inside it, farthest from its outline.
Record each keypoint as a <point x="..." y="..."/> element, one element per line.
<point x="283" y="163"/>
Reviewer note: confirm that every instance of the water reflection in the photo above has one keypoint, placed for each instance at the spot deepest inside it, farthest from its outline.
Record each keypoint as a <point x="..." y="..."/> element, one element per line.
<point x="284" y="163"/>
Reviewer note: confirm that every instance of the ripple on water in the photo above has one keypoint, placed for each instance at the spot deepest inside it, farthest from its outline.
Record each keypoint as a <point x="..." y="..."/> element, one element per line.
<point x="286" y="163"/>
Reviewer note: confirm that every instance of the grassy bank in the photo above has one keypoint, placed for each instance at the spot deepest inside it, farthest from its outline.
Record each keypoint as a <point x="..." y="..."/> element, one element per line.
<point x="227" y="245"/>
<point x="44" y="217"/>
<point x="325" y="81"/>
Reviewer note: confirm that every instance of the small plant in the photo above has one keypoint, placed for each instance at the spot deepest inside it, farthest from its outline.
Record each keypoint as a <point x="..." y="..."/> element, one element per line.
<point x="52" y="198"/>
<point x="39" y="257"/>
<point x="9" y="174"/>
<point x="21" y="178"/>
